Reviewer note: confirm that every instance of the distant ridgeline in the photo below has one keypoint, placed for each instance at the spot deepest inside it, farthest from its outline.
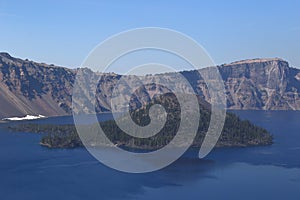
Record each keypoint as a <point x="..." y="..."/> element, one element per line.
<point x="28" y="87"/>
<point x="236" y="132"/>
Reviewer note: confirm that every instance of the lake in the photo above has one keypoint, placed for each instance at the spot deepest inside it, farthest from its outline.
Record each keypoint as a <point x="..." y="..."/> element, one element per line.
<point x="29" y="171"/>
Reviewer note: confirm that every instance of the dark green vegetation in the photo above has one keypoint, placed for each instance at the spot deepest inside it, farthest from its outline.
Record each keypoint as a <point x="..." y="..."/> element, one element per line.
<point x="236" y="132"/>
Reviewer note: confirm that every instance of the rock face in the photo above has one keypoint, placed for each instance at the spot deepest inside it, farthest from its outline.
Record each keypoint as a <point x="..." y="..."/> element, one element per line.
<point x="266" y="84"/>
<point x="27" y="87"/>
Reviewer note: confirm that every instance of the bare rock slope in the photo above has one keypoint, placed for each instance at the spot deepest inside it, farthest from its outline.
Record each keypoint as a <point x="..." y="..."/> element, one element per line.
<point x="27" y="87"/>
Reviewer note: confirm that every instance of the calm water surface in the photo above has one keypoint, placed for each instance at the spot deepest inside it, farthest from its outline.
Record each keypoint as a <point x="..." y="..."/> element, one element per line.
<point x="29" y="171"/>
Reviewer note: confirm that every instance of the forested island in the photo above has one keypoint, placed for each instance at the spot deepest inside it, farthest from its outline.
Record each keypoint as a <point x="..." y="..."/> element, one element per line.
<point x="236" y="132"/>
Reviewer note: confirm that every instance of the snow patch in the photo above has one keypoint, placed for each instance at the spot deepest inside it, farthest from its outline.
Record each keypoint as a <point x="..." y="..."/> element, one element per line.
<point x="27" y="117"/>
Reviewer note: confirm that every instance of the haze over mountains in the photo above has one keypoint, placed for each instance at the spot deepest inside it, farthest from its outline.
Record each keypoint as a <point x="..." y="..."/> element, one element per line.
<point x="27" y="87"/>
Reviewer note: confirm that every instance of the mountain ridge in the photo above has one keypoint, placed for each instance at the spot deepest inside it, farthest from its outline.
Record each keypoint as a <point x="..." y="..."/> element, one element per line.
<point x="28" y="87"/>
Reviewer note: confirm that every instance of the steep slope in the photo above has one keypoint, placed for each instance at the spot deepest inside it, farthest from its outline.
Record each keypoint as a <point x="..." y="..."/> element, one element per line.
<point x="27" y="87"/>
<point x="268" y="84"/>
<point x="33" y="88"/>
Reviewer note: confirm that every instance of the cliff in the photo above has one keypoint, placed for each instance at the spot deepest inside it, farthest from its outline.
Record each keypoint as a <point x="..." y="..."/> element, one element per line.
<point x="27" y="87"/>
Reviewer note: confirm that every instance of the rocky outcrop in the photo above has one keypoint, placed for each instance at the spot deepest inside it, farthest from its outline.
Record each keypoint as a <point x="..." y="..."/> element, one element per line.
<point x="264" y="84"/>
<point x="27" y="87"/>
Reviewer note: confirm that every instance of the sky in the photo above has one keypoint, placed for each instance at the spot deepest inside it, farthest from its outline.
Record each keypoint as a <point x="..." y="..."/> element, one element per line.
<point x="64" y="32"/>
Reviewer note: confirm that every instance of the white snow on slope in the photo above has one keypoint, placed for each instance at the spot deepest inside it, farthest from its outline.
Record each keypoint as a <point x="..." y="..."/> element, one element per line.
<point x="27" y="117"/>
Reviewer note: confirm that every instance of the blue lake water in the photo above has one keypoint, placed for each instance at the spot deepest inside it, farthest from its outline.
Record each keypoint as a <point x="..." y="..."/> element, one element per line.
<point x="29" y="171"/>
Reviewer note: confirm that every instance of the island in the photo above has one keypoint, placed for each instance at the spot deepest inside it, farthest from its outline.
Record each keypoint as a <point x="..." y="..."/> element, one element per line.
<point x="236" y="132"/>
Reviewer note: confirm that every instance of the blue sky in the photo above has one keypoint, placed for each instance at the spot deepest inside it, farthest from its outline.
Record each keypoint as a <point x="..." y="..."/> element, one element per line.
<point x="64" y="32"/>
